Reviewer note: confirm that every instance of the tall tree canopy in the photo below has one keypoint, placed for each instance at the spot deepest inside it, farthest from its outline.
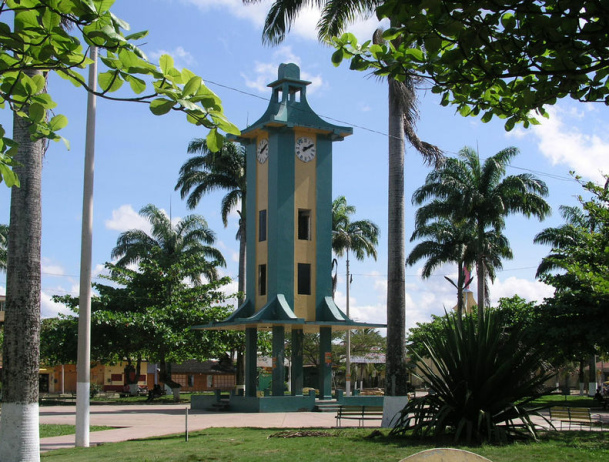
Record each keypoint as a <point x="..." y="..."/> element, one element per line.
<point x="190" y="237"/>
<point x="41" y="40"/>
<point x="578" y="268"/>
<point x="480" y="194"/>
<point x="360" y="237"/>
<point x="207" y="171"/>
<point x="147" y="314"/>
<point x="445" y="241"/>
<point x="504" y="58"/>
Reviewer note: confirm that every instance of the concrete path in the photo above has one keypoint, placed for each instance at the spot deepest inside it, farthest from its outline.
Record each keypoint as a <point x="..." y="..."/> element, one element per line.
<point x="148" y="420"/>
<point x="144" y="421"/>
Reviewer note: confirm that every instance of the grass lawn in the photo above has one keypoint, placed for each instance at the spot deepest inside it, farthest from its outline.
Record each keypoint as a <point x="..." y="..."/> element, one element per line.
<point x="335" y="445"/>
<point x="48" y="430"/>
<point x="562" y="400"/>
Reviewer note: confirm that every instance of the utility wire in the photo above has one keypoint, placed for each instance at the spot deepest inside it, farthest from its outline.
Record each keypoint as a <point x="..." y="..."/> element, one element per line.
<point x="378" y="132"/>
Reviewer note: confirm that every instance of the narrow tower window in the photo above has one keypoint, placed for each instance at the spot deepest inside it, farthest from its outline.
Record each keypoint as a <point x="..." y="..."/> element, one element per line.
<point x="304" y="279"/>
<point x="262" y="280"/>
<point x="262" y="226"/>
<point x="304" y="224"/>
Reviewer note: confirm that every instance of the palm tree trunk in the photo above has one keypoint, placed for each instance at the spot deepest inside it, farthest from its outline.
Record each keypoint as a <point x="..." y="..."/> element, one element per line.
<point x="481" y="275"/>
<point x="19" y="433"/>
<point x="460" y="284"/>
<point x="396" y="384"/>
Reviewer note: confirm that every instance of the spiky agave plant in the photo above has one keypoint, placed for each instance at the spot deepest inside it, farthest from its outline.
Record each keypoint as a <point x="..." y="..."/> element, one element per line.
<point x="481" y="381"/>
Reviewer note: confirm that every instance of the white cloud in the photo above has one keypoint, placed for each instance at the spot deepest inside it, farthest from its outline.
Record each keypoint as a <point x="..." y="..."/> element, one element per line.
<point x="181" y="57"/>
<point x="434" y="295"/>
<point x="264" y="73"/>
<point x="575" y="136"/>
<point x="304" y="27"/>
<point x="51" y="269"/>
<point x="125" y="218"/>
<point x="2" y="290"/>
<point x="50" y="309"/>
<point x="532" y="291"/>
<point x="255" y="13"/>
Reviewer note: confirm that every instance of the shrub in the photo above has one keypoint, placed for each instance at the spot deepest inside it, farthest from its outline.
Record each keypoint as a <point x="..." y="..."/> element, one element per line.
<point x="480" y="382"/>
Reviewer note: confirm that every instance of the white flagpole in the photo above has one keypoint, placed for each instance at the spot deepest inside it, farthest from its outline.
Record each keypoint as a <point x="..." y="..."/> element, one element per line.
<point x="83" y="370"/>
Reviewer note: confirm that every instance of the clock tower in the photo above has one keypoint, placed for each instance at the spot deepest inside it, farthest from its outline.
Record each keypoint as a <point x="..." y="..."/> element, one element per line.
<point x="289" y="234"/>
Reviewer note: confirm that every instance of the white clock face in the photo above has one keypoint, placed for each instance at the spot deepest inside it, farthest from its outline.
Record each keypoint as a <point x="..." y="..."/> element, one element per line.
<point x="262" y="151"/>
<point x="305" y="149"/>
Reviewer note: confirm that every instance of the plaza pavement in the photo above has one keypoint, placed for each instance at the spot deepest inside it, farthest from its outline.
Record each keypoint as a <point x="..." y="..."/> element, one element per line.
<point x="148" y="420"/>
<point x="132" y="422"/>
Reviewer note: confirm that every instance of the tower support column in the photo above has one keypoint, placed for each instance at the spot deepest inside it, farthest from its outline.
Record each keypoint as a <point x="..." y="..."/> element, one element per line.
<point x="297" y="362"/>
<point x="278" y="360"/>
<point x="251" y="357"/>
<point x="325" y="362"/>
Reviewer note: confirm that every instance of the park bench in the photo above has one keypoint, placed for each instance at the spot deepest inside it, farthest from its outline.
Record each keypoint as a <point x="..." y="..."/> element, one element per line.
<point x="359" y="413"/>
<point x="65" y="398"/>
<point x="573" y="415"/>
<point x="331" y="407"/>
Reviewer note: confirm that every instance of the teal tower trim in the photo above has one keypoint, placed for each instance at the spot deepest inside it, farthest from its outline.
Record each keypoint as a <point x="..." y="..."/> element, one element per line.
<point x="288" y="265"/>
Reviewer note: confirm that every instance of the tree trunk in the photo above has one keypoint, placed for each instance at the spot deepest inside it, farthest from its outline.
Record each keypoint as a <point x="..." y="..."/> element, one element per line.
<point x="165" y="377"/>
<point x="481" y="275"/>
<point x="397" y="377"/>
<point x="19" y="433"/>
<point x="460" y="284"/>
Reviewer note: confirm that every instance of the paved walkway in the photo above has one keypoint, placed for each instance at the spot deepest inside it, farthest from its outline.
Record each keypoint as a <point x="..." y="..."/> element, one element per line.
<point x="131" y="422"/>
<point x="145" y="421"/>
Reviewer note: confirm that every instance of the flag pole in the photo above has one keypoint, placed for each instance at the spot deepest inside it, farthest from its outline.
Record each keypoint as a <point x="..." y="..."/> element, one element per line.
<point x="83" y="369"/>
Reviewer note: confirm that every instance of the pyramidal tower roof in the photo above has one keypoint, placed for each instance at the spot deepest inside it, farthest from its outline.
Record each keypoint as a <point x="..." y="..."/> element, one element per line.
<point x="289" y="107"/>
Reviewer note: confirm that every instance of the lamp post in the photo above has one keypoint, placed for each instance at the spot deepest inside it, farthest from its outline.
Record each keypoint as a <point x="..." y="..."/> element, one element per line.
<point x="348" y="345"/>
<point x="348" y="236"/>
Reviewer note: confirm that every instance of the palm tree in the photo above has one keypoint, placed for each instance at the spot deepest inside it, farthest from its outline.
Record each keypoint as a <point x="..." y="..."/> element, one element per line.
<point x="189" y="240"/>
<point x="361" y="237"/>
<point x="447" y="242"/>
<point x="224" y="170"/>
<point x="336" y="14"/>
<point x="3" y="246"/>
<point x="167" y="244"/>
<point x="577" y="222"/>
<point x="464" y="189"/>
<point x="19" y="434"/>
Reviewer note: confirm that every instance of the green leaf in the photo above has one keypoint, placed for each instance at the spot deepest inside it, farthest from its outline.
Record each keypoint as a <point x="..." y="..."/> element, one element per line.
<point x="110" y="81"/>
<point x="137" y="85"/>
<point x="58" y="122"/>
<point x="161" y="106"/>
<point x="37" y="112"/>
<point x="391" y="34"/>
<point x="214" y="140"/>
<point x="166" y="64"/>
<point x="416" y="54"/>
<point x="337" y="57"/>
<point x="10" y="178"/>
<point x="192" y="86"/>
<point x="136" y="35"/>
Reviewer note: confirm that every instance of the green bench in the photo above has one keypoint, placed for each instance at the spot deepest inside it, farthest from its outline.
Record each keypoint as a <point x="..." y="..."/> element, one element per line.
<point x="359" y="413"/>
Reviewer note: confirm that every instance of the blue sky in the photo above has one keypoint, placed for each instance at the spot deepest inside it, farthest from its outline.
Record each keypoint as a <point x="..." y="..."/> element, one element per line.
<point x="138" y="155"/>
